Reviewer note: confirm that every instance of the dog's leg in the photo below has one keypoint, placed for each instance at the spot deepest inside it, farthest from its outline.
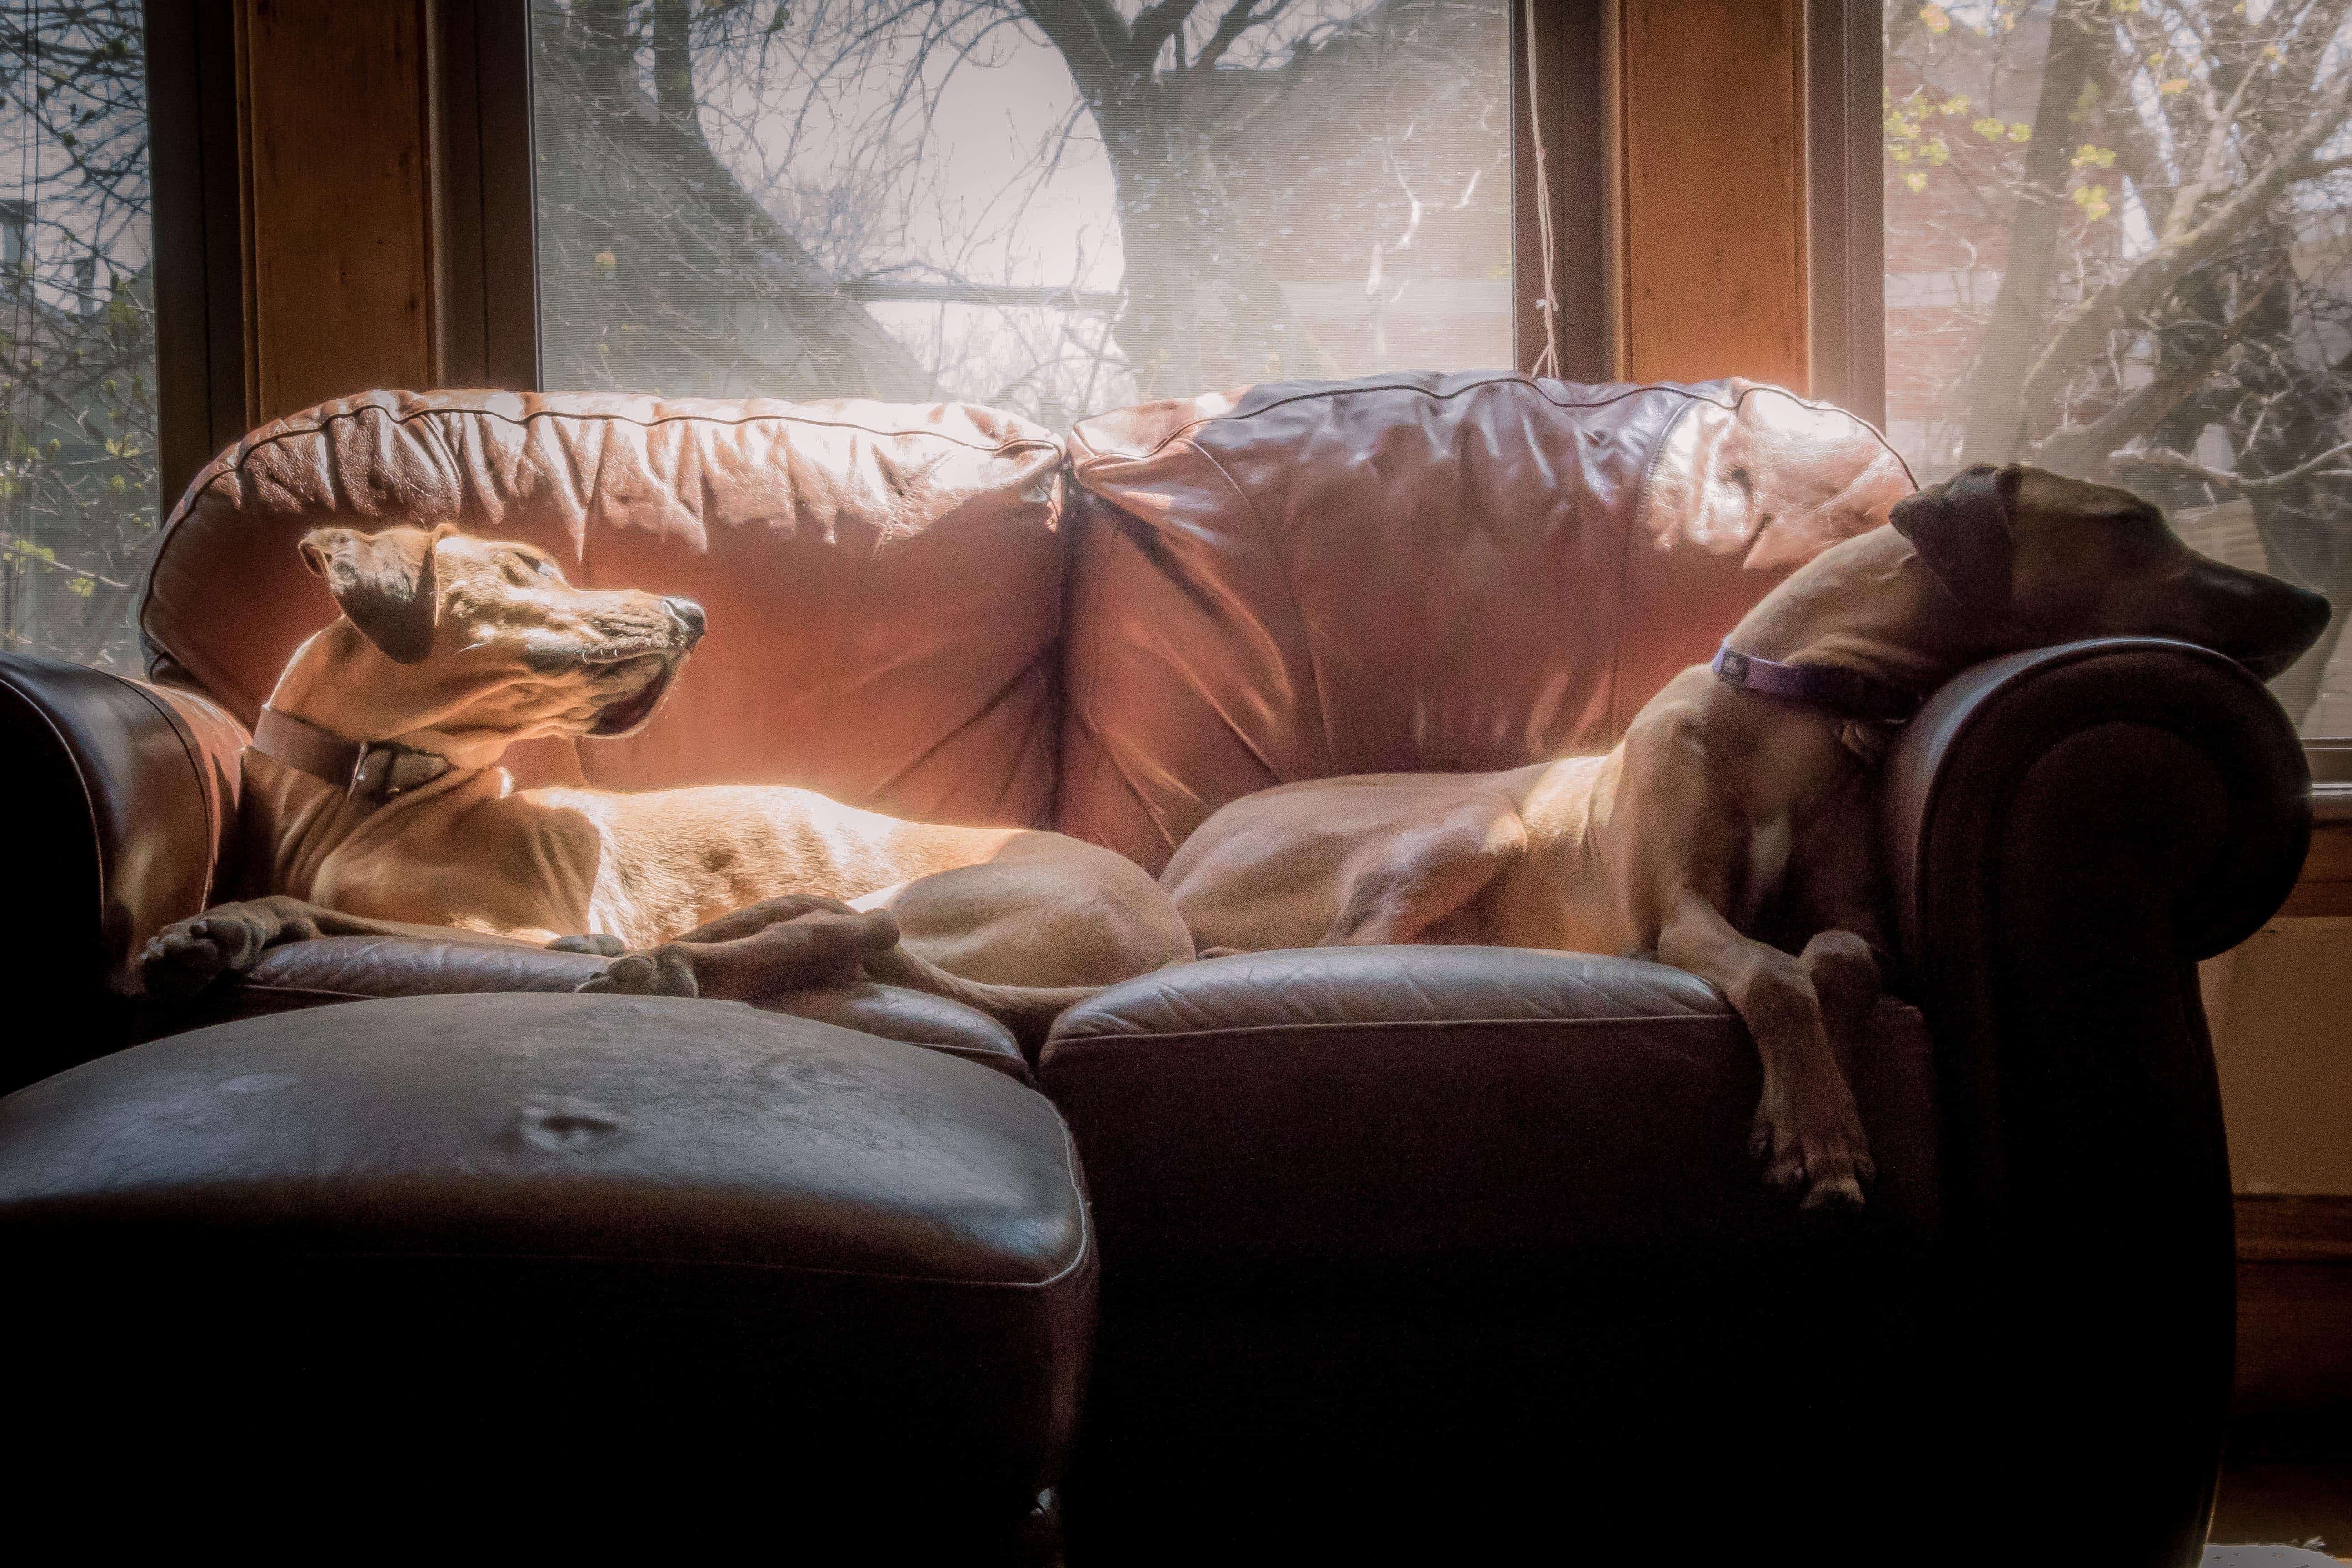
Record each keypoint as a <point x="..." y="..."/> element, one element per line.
<point x="795" y="943"/>
<point x="1428" y="871"/>
<point x="229" y="939"/>
<point x="1807" y="1131"/>
<point x="1845" y="975"/>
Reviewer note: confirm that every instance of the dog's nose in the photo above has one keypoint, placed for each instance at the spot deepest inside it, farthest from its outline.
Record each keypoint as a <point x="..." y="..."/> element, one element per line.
<point x="688" y="616"/>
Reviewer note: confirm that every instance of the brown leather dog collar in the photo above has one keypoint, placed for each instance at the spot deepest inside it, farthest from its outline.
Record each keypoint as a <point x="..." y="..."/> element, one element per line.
<point x="365" y="770"/>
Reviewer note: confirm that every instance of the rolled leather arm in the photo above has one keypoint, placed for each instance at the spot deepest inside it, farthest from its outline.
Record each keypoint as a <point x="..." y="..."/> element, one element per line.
<point x="2068" y="831"/>
<point x="120" y="800"/>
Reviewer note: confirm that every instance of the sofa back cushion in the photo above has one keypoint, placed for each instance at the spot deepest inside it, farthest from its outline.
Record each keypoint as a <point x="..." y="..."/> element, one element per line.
<point x="883" y="582"/>
<point x="1417" y="573"/>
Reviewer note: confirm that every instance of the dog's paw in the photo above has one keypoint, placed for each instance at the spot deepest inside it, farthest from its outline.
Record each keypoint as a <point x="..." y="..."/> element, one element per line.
<point x="662" y="972"/>
<point x="601" y="946"/>
<point x="189" y="955"/>
<point x="1819" y="1148"/>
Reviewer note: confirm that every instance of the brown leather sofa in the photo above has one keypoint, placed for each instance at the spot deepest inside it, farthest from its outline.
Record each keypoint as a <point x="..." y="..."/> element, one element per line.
<point x="1443" y="1237"/>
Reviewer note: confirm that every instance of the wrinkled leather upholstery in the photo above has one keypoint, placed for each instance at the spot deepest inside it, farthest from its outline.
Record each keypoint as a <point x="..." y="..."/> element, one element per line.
<point x="874" y="1259"/>
<point x="1398" y="1109"/>
<point x="883" y="582"/>
<point x="354" y="968"/>
<point x="1417" y="573"/>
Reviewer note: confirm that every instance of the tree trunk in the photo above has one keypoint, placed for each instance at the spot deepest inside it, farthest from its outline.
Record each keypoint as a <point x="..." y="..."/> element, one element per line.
<point x="1159" y="326"/>
<point x="1182" y="237"/>
<point x="674" y="65"/>
<point x="1996" y="417"/>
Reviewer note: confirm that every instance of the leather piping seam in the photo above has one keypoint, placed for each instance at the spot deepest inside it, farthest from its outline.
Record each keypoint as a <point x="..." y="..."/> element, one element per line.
<point x="980" y="1054"/>
<point x="665" y="1260"/>
<point x="1634" y="525"/>
<point x="1356" y="1025"/>
<point x="245" y="985"/>
<point x="1289" y="592"/>
<point x="1082" y="709"/>
<point x="212" y="810"/>
<point x="1513" y="379"/>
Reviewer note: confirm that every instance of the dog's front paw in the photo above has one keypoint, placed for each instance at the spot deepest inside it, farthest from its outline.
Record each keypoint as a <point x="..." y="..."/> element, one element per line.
<point x="662" y="972"/>
<point x="602" y="946"/>
<point x="1816" y="1142"/>
<point x="188" y="955"/>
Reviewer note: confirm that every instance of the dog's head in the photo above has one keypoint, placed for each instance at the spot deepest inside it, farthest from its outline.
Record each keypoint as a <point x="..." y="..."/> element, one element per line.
<point x="2034" y="558"/>
<point x="484" y="636"/>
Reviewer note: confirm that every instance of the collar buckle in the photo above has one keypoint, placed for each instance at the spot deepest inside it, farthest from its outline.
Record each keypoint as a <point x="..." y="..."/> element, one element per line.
<point x="384" y="769"/>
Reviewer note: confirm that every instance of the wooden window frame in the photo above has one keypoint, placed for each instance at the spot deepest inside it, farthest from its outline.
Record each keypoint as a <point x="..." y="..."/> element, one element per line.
<point x="192" y="173"/>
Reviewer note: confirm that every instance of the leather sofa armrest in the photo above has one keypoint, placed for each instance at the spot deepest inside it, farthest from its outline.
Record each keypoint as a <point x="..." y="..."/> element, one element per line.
<point x="2068" y="831"/>
<point x="333" y="969"/>
<point x="122" y="801"/>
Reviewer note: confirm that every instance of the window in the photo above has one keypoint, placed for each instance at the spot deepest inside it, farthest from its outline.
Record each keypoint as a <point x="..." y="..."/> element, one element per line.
<point x="77" y="488"/>
<point x="978" y="199"/>
<point x="2119" y="245"/>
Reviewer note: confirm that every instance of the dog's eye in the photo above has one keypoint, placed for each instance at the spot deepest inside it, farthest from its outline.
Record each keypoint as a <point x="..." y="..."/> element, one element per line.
<point x="544" y="568"/>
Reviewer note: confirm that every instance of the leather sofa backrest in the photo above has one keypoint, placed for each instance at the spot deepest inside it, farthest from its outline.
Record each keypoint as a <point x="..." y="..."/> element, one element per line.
<point x="883" y="582"/>
<point x="1464" y="572"/>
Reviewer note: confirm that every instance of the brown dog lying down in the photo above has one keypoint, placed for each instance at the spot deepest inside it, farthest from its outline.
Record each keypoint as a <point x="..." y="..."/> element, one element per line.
<point x="1727" y="815"/>
<point x="372" y="788"/>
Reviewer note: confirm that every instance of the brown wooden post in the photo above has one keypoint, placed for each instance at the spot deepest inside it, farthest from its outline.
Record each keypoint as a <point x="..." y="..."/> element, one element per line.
<point x="1711" y="227"/>
<point x="334" y="131"/>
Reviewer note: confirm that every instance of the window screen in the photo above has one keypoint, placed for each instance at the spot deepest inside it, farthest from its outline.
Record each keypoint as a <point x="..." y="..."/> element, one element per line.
<point x="77" y="330"/>
<point x="2119" y="245"/>
<point x="1054" y="209"/>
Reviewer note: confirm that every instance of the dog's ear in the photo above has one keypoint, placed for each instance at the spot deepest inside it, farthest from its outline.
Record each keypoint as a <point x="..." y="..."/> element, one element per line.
<point x="1961" y="530"/>
<point x="384" y="582"/>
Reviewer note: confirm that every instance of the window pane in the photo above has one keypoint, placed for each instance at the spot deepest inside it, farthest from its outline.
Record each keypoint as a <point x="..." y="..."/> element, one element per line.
<point x="863" y="198"/>
<point x="77" y="330"/>
<point x="2118" y="245"/>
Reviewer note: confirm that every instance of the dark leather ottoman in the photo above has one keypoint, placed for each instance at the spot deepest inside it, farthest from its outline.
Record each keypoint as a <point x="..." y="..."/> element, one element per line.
<point x="636" y="1255"/>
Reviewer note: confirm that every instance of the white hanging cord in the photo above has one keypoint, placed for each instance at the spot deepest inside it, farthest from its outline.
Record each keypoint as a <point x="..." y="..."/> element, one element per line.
<point x="1547" y="362"/>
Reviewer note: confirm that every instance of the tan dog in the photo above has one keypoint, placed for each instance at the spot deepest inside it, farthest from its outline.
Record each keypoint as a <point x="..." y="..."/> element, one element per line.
<point x="1724" y="815"/>
<point x="450" y="650"/>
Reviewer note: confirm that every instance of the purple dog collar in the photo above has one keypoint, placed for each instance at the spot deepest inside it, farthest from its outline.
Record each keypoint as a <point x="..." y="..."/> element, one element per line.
<point x="1848" y="693"/>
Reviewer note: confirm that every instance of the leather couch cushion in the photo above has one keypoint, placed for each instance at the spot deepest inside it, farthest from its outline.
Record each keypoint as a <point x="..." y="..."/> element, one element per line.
<point x="355" y="968"/>
<point x="1417" y="573"/>
<point x="872" y="1255"/>
<point x="883" y="582"/>
<point x="1404" y="1108"/>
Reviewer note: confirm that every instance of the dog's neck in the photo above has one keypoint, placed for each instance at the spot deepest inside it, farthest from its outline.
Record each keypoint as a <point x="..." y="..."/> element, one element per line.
<point x="1868" y="604"/>
<point x="338" y="682"/>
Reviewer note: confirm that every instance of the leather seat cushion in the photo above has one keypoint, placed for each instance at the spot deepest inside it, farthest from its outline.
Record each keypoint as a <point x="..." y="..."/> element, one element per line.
<point x="1407" y="1109"/>
<point x="354" y="968"/>
<point x="849" y="1241"/>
